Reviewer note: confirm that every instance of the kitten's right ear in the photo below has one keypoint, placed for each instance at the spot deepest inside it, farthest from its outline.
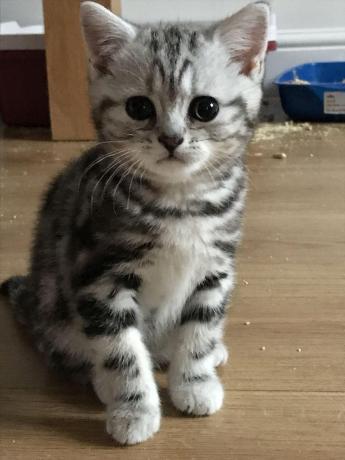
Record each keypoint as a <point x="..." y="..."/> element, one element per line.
<point x="104" y="32"/>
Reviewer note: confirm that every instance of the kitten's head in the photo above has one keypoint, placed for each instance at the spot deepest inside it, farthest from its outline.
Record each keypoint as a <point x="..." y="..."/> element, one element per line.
<point x="177" y="100"/>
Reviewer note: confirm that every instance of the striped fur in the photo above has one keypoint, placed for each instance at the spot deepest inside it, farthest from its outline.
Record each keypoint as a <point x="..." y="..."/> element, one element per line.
<point x="134" y="249"/>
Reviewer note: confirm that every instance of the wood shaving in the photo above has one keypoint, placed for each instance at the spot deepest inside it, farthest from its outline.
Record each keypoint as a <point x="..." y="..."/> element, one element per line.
<point x="279" y="156"/>
<point x="245" y="282"/>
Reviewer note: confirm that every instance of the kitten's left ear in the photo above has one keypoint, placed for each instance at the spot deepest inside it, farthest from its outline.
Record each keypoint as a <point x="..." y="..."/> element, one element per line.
<point x="104" y="32"/>
<point x="245" y="35"/>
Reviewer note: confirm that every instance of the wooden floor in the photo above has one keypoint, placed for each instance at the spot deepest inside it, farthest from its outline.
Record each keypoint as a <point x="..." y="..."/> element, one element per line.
<point x="285" y="383"/>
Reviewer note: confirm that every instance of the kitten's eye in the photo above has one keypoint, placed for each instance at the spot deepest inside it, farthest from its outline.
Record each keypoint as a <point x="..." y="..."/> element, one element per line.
<point x="140" y="108"/>
<point x="204" y="108"/>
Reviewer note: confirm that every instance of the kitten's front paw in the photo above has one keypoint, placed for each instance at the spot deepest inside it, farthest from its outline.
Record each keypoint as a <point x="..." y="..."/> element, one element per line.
<point x="198" y="398"/>
<point x="131" y="426"/>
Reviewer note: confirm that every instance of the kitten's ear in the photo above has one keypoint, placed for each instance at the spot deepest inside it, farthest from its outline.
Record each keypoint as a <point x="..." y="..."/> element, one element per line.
<point x="104" y="32"/>
<point x="245" y="35"/>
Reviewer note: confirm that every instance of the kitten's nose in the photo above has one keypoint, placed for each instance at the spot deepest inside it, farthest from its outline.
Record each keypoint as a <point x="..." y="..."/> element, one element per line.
<point x="170" y="142"/>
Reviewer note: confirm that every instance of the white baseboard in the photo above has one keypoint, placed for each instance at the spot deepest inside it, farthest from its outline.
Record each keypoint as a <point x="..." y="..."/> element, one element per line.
<point x="300" y="38"/>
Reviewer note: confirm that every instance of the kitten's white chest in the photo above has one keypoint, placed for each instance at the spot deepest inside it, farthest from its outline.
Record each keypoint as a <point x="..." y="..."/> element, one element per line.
<point x="177" y="264"/>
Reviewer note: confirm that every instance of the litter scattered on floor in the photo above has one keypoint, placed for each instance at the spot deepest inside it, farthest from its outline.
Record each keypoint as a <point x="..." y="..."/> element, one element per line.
<point x="245" y="282"/>
<point x="279" y="156"/>
<point x="263" y="348"/>
<point x="273" y="131"/>
<point x="299" y="350"/>
<point x="247" y="323"/>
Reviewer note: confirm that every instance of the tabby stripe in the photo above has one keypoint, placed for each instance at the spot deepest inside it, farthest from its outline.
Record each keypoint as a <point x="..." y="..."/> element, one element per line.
<point x="106" y="104"/>
<point x="64" y="362"/>
<point x="100" y="320"/>
<point x="243" y="108"/>
<point x="193" y="41"/>
<point x="206" y="351"/>
<point x="225" y="246"/>
<point x="211" y="282"/>
<point x="158" y="63"/>
<point x="130" y="281"/>
<point x="97" y="266"/>
<point x="184" y="67"/>
<point x="202" y="314"/>
<point x="124" y="364"/>
<point x="154" y="41"/>
<point x="120" y="362"/>
<point x="195" y="378"/>
<point x="131" y="397"/>
<point x="202" y="208"/>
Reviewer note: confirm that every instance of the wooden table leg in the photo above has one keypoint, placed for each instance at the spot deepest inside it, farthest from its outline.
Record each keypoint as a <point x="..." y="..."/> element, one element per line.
<point x="67" y="69"/>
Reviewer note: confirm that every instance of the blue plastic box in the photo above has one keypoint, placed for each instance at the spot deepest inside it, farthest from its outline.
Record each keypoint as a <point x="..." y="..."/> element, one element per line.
<point x="314" y="92"/>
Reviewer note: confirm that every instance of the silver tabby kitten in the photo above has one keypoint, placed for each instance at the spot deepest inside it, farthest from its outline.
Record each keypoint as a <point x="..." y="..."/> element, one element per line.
<point x="132" y="263"/>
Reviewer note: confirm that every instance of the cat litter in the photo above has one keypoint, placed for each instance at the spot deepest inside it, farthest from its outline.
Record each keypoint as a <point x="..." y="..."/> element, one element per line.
<point x="298" y="81"/>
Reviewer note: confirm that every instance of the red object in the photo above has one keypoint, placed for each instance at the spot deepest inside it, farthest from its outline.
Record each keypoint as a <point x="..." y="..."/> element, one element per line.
<point x="24" y="97"/>
<point x="272" y="45"/>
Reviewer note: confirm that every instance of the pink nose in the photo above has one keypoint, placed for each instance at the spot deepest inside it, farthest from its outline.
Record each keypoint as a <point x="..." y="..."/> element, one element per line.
<point x="170" y="142"/>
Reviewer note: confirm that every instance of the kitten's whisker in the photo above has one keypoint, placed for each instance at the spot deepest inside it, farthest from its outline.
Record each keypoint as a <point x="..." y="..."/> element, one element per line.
<point x="119" y="183"/>
<point x="113" y="173"/>
<point x="130" y="185"/>
<point x="114" y="153"/>
<point x="210" y="174"/>
<point x="103" y="175"/>
<point x="115" y="167"/>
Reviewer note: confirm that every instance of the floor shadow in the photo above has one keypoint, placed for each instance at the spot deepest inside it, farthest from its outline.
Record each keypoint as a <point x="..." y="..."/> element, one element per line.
<point x="25" y="133"/>
<point x="85" y="430"/>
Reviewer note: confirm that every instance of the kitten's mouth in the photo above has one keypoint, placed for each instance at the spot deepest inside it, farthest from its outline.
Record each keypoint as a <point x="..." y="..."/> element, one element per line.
<point x="171" y="159"/>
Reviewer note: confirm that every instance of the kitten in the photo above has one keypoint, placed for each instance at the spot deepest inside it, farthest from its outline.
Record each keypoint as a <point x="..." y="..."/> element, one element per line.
<point x="132" y="263"/>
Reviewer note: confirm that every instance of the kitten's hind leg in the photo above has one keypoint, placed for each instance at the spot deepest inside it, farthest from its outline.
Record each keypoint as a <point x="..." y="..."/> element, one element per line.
<point x="122" y="371"/>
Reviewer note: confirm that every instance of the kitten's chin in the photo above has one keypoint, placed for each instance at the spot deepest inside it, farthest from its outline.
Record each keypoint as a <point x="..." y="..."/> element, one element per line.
<point x="173" y="171"/>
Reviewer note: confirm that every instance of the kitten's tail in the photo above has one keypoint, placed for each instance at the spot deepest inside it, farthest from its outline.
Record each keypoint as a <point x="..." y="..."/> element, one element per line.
<point x="17" y="291"/>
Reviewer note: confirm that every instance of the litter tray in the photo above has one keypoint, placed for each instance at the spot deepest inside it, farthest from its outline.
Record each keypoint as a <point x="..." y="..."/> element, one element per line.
<point x="314" y="92"/>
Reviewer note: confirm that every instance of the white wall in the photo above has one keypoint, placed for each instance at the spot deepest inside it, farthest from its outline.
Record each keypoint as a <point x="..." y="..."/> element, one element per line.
<point x="25" y="12"/>
<point x="292" y="14"/>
